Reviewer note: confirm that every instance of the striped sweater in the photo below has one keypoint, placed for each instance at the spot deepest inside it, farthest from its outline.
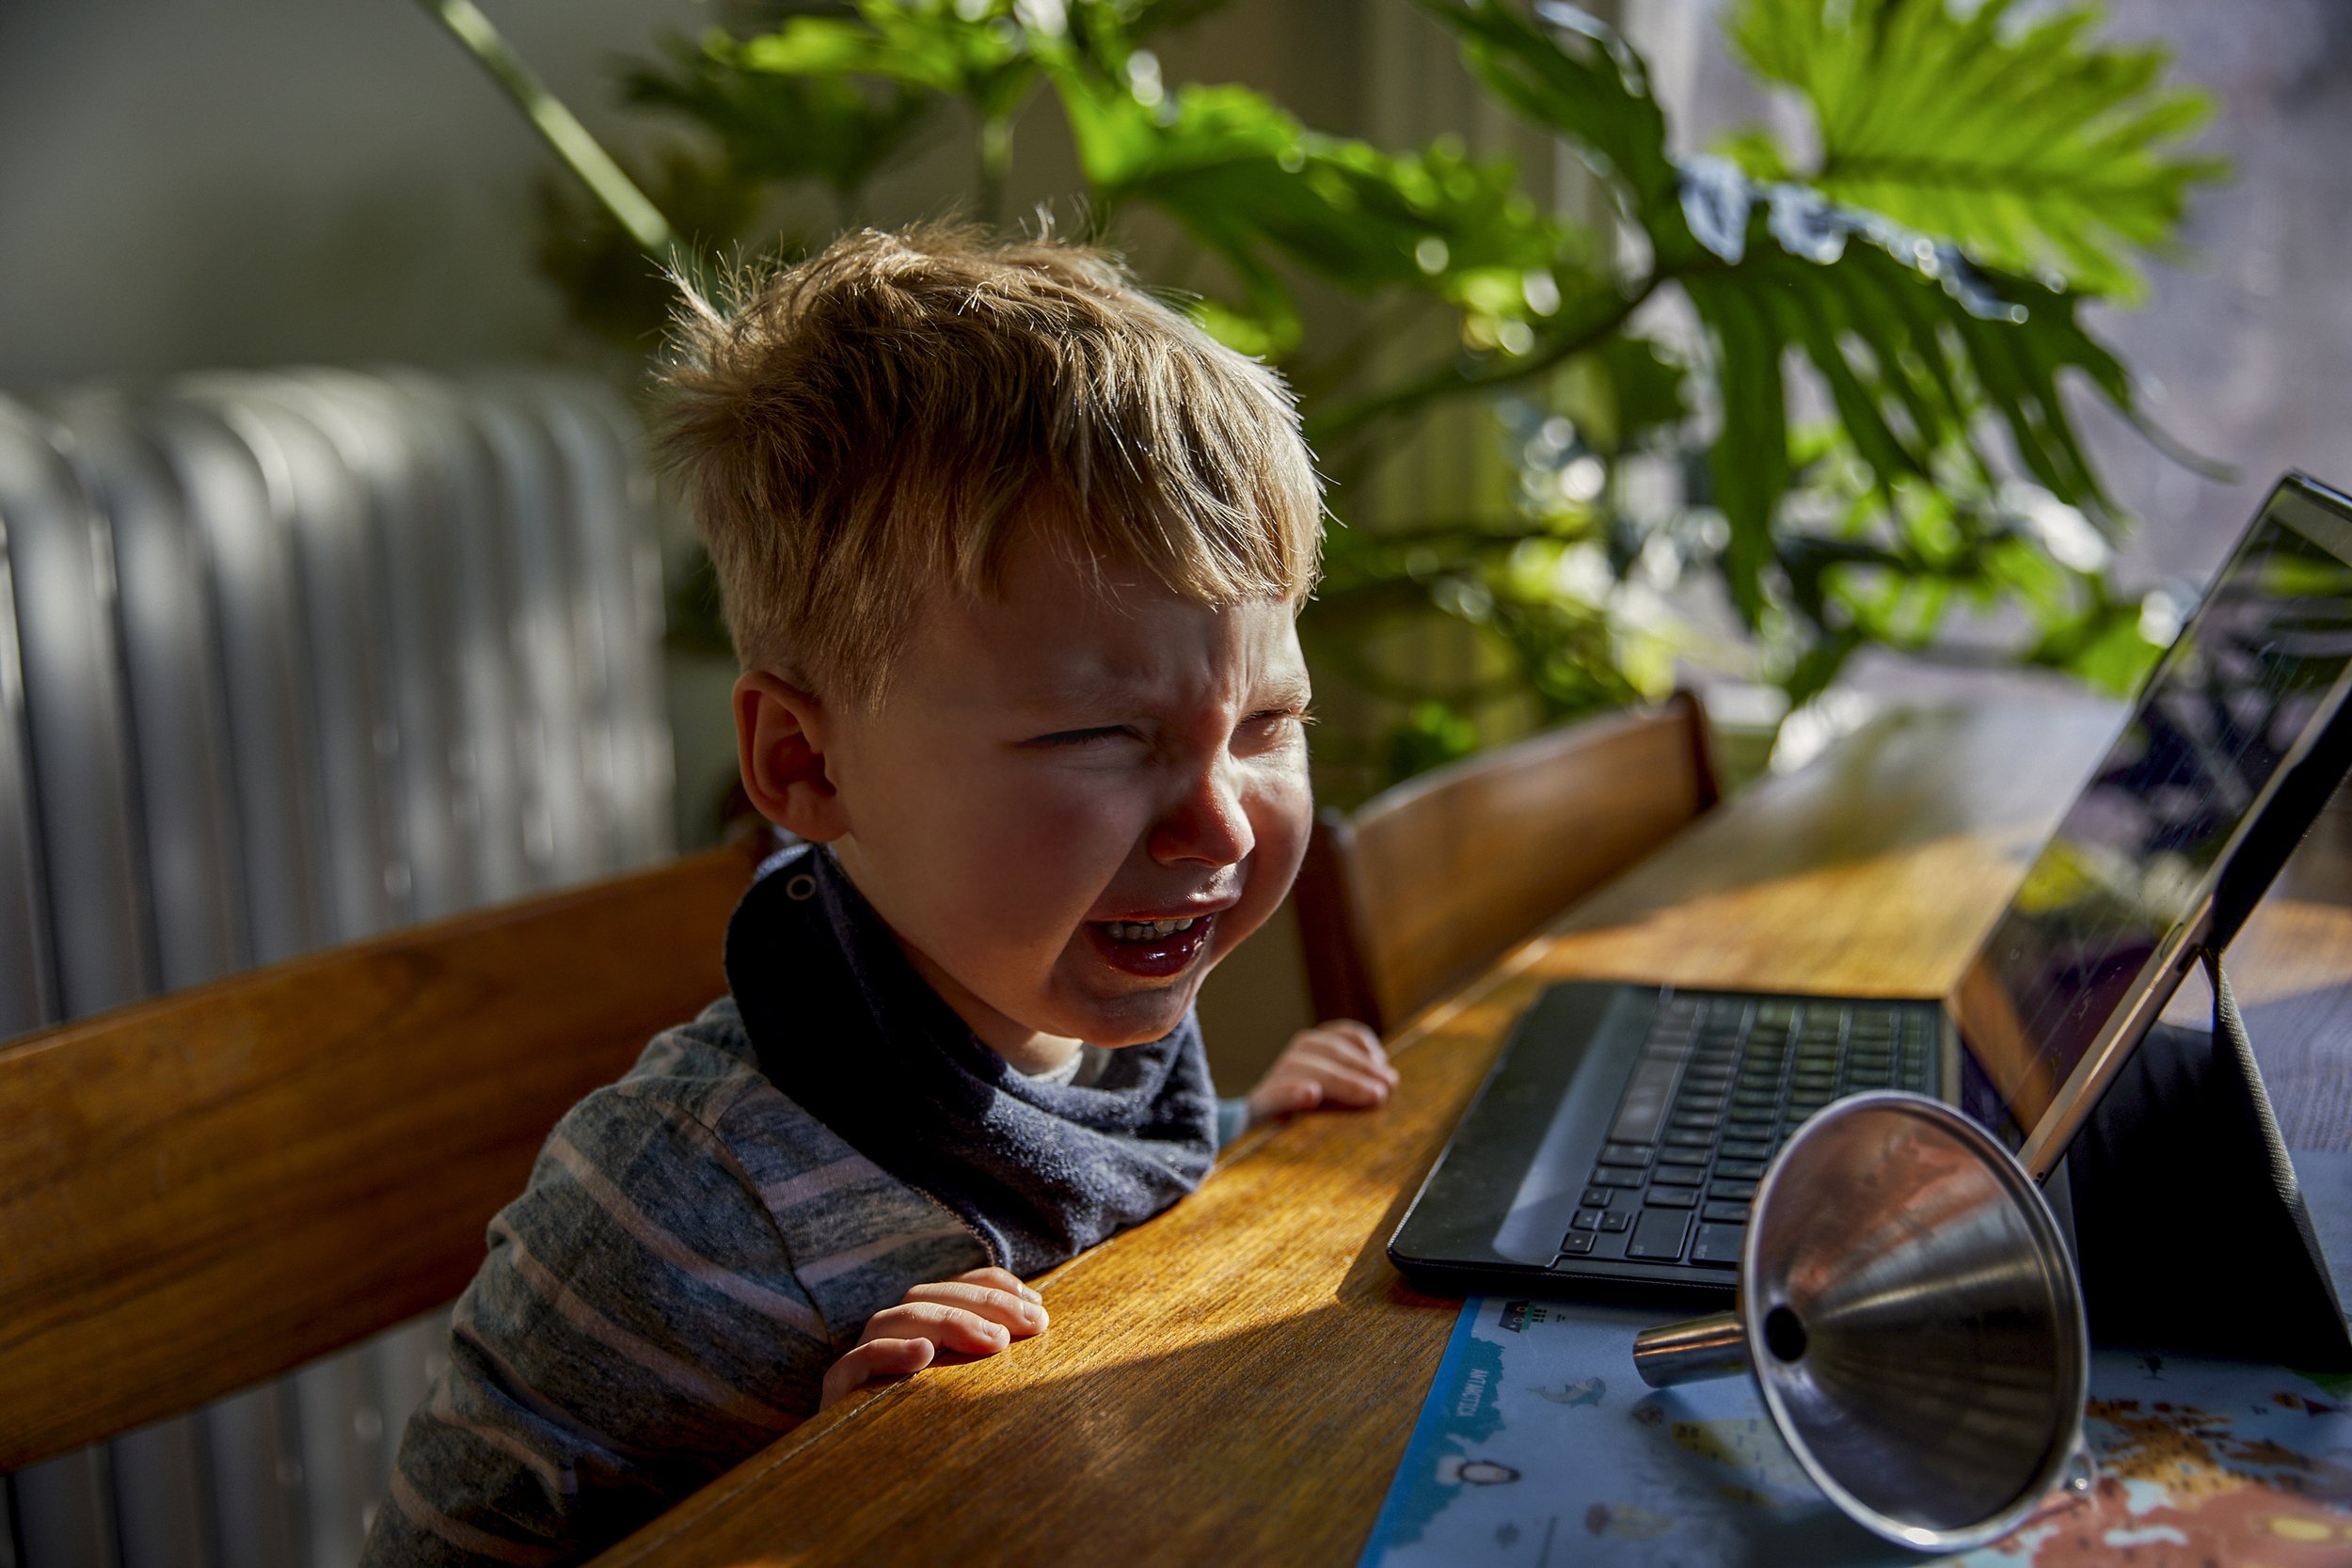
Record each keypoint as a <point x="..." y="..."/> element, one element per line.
<point x="693" y="1251"/>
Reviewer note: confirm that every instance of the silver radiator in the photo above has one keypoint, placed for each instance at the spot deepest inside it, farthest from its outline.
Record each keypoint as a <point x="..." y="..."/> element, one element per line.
<point x="286" y="659"/>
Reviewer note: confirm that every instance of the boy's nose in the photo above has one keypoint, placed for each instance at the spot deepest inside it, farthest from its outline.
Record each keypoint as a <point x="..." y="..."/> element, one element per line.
<point x="1207" y="826"/>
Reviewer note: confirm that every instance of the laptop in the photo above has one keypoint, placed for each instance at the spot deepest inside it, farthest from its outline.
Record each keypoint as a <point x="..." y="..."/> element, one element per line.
<point x="1616" y="1143"/>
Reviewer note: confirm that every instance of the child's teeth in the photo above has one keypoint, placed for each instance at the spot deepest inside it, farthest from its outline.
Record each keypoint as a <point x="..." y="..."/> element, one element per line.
<point x="1135" y="931"/>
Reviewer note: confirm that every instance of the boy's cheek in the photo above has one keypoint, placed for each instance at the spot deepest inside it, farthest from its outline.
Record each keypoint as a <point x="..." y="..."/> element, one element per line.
<point x="1282" y="819"/>
<point x="1057" y="856"/>
<point x="1281" y="824"/>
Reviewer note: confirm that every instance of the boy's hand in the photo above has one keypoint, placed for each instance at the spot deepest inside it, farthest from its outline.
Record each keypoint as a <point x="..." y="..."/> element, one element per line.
<point x="1335" y="1062"/>
<point x="978" y="1313"/>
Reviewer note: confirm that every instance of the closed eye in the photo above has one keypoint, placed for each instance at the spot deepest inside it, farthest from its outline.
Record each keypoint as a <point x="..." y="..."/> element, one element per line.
<point x="1273" y="729"/>
<point x="1077" y="738"/>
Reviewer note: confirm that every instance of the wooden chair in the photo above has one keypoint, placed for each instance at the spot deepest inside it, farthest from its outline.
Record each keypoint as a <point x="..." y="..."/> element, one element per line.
<point x="210" y="1188"/>
<point x="1431" y="880"/>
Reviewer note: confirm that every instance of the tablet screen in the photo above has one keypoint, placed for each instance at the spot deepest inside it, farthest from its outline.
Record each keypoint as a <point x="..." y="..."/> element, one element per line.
<point x="2250" y="683"/>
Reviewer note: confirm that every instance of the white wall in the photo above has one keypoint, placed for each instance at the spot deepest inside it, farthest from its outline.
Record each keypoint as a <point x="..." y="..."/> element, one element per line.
<point x="252" y="182"/>
<point x="2249" y="338"/>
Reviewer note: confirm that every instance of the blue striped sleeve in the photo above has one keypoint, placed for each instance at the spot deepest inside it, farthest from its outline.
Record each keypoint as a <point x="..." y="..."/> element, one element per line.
<point x="638" y="1328"/>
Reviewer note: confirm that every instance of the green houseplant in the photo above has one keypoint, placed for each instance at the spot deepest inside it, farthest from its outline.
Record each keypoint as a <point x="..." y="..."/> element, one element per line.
<point x="1921" y="272"/>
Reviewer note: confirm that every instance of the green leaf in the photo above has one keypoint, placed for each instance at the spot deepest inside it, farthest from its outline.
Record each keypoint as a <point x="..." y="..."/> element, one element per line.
<point x="1910" y="339"/>
<point x="1819" y="665"/>
<point x="1262" y="335"/>
<point x="1429" y="735"/>
<point x="1584" y="82"/>
<point x="609" y="285"/>
<point x="2040" y="149"/>
<point x="780" y="127"/>
<point x="1257" y="189"/>
<point x="1620" y="392"/>
<point x="926" y="46"/>
<point x="1426" y="550"/>
<point x="1749" y="460"/>
<point x="2104" y="650"/>
<point x="2037" y="151"/>
<point x="1753" y="149"/>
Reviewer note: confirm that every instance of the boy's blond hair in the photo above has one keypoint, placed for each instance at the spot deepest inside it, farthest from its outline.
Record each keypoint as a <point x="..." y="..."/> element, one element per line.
<point x="883" y="417"/>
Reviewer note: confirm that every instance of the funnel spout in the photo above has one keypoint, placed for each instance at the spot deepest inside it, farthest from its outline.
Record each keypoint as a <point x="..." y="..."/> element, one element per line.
<point x="1691" y="1351"/>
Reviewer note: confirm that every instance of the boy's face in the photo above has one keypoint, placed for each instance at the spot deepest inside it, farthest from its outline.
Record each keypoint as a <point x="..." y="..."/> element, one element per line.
<point x="1052" y="770"/>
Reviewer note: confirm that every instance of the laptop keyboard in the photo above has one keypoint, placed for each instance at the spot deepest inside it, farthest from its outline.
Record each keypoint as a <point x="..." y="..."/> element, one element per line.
<point x="1722" y="1083"/>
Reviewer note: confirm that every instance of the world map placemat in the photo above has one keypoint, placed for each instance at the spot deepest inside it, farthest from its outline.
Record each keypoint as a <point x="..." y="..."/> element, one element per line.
<point x="1540" y="1446"/>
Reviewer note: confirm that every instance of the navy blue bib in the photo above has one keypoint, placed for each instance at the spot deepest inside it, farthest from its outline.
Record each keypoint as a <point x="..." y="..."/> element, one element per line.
<point x="845" y="1027"/>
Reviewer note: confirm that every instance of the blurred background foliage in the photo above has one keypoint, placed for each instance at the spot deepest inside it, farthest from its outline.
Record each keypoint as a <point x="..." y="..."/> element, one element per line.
<point x="1755" y="409"/>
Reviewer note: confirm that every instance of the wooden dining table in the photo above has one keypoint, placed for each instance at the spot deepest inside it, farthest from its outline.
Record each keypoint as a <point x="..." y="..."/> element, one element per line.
<point x="1233" y="1381"/>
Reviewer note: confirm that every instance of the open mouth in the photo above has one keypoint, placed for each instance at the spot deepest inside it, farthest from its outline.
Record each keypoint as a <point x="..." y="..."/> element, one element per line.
<point x="1154" y="949"/>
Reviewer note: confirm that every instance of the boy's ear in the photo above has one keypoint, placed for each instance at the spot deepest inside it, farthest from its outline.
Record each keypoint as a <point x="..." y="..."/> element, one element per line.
<point x="780" y="743"/>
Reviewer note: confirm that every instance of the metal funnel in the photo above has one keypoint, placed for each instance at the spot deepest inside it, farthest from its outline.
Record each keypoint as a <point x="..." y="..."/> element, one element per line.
<point x="1912" y="1315"/>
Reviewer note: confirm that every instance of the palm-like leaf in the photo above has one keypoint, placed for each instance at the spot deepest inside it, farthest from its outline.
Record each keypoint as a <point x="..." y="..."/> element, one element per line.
<point x="1889" y="569"/>
<point x="2037" y="151"/>
<point x="1964" y="155"/>
<point x="1585" y="83"/>
<point x="1256" y="188"/>
<point x="1911" y="341"/>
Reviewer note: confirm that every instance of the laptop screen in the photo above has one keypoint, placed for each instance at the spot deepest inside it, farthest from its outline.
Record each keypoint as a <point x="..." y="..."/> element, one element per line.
<point x="2107" y="906"/>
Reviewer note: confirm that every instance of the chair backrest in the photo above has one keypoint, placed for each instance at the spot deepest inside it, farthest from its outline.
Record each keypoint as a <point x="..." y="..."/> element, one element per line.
<point x="1434" y="879"/>
<point x="212" y="1187"/>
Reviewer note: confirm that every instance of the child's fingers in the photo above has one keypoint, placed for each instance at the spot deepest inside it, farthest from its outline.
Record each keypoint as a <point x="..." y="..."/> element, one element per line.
<point x="951" y="1328"/>
<point x="1364" y="1046"/>
<point x="1021" y="1318"/>
<point x="1286" y="1096"/>
<point x="1348" y="1040"/>
<point x="1000" y="1279"/>
<point x="1331" y="1053"/>
<point x="874" y="1358"/>
<point x="1357" y="1086"/>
